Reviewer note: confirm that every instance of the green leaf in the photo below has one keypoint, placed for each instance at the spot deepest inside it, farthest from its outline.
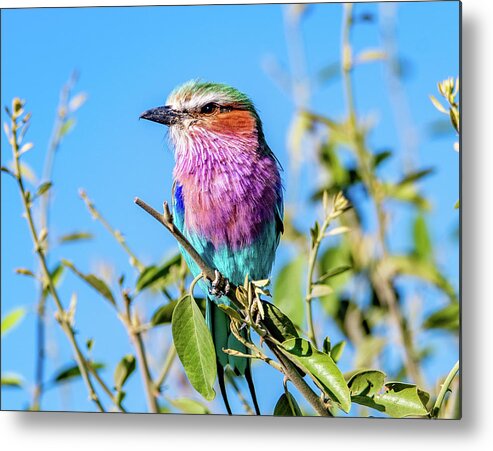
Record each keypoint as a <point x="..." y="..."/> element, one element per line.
<point x="320" y="290"/>
<point x="187" y="405"/>
<point x="366" y="382"/>
<point x="278" y="324"/>
<point x="368" y="350"/>
<point x="337" y="350"/>
<point x="11" y="380"/>
<point x="12" y="319"/>
<point x="399" y="400"/>
<point x="438" y="105"/>
<point x="72" y="372"/>
<point x="56" y="276"/>
<point x="230" y="311"/>
<point x="163" y="314"/>
<point x="380" y="157"/>
<point x="370" y="55"/>
<point x="43" y="188"/>
<point x="447" y="318"/>
<point x="194" y="346"/>
<point x="154" y="274"/>
<point x="402" y="400"/>
<point x="288" y="289"/>
<point x="66" y="127"/>
<point x="322" y="369"/>
<point x="287" y="406"/>
<point x="76" y="236"/>
<point x="25" y="148"/>
<point x="415" y="176"/>
<point x="411" y="266"/>
<point x="123" y="370"/>
<point x="406" y="192"/>
<point x="422" y="242"/>
<point x="457" y="205"/>
<point x="98" y="284"/>
<point x="24" y="272"/>
<point x="89" y="344"/>
<point x="326" y="345"/>
<point x="334" y="272"/>
<point x="7" y="171"/>
<point x="26" y="172"/>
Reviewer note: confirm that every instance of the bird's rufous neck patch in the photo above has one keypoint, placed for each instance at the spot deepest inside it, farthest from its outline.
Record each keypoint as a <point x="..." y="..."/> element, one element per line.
<point x="240" y="122"/>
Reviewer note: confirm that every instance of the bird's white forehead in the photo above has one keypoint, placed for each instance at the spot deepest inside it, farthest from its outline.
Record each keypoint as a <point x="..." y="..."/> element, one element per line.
<point x="188" y="100"/>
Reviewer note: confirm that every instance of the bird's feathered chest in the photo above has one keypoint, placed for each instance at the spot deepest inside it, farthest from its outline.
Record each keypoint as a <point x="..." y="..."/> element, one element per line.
<point x="227" y="189"/>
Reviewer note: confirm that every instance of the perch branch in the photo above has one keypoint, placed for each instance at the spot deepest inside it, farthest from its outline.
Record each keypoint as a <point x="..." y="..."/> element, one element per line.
<point x="166" y="219"/>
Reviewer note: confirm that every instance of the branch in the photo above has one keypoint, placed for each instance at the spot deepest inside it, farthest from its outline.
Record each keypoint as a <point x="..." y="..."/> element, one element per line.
<point x="443" y="391"/>
<point x="166" y="219"/>
<point x="289" y="370"/>
<point x="132" y="325"/>
<point x="62" y="315"/>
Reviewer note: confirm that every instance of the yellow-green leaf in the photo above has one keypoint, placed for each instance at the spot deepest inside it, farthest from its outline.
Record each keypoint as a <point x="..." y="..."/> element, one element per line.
<point x="194" y="346"/>
<point x="12" y="319"/>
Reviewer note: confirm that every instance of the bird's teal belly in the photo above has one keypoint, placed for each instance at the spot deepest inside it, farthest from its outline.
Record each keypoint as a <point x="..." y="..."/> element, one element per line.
<point x="254" y="260"/>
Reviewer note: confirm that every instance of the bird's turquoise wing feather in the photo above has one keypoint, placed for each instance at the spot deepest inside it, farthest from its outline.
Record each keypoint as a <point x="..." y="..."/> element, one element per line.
<point x="255" y="260"/>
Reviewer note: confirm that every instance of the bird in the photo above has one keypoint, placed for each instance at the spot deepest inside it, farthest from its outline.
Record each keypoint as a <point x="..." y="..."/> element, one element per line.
<point x="227" y="200"/>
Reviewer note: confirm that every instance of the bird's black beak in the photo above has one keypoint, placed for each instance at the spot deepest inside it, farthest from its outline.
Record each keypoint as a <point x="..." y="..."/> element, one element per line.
<point x="162" y="115"/>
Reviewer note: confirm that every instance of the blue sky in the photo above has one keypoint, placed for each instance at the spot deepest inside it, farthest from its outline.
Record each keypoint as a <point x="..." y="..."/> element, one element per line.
<point x="129" y="59"/>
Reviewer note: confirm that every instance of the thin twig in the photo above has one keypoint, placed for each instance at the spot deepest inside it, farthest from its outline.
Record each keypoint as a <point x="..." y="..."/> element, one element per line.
<point x="134" y="260"/>
<point x="443" y="390"/>
<point x="168" y="363"/>
<point x="105" y="388"/>
<point x="132" y="326"/>
<point x="53" y="146"/>
<point x="309" y="285"/>
<point x="62" y="314"/>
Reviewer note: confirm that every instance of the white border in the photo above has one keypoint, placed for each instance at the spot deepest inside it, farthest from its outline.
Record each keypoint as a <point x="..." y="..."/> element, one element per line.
<point x="94" y="431"/>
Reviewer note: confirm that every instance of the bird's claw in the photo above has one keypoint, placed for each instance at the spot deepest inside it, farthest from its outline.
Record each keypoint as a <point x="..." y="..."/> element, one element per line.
<point x="220" y="285"/>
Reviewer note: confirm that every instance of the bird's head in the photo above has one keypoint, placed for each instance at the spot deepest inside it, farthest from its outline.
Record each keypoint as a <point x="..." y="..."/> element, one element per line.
<point x="197" y="110"/>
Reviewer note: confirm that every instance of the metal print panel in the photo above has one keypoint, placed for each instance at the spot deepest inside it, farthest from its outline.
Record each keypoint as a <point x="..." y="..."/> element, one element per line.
<point x="306" y="259"/>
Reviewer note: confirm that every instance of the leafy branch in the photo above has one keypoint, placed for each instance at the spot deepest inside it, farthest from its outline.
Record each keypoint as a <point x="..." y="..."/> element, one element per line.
<point x="238" y="297"/>
<point x="18" y="127"/>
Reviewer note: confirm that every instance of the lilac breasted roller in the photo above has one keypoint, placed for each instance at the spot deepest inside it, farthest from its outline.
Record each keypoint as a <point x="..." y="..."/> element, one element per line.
<point x="227" y="198"/>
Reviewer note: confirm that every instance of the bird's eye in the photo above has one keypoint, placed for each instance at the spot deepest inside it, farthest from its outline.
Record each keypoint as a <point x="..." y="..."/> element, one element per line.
<point x="209" y="108"/>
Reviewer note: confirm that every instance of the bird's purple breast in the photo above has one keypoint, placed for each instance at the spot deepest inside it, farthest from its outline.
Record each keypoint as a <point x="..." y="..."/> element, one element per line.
<point x="229" y="193"/>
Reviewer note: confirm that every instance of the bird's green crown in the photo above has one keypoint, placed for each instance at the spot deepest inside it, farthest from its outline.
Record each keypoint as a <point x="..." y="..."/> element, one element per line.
<point x="194" y="94"/>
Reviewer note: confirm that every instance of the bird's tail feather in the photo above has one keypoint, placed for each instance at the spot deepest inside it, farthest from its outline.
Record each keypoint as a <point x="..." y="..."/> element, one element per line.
<point x="222" y="337"/>
<point x="222" y="386"/>
<point x="251" y="387"/>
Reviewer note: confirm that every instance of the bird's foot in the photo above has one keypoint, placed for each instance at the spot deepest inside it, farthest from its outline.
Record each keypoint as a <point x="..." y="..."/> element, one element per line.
<point x="220" y="285"/>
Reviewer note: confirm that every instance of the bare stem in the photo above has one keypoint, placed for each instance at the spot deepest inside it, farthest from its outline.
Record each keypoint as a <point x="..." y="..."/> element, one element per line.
<point x="309" y="285"/>
<point x="62" y="314"/>
<point x="168" y="363"/>
<point x="105" y="388"/>
<point x="132" y="326"/>
<point x="134" y="260"/>
<point x="435" y="412"/>
<point x="44" y="223"/>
